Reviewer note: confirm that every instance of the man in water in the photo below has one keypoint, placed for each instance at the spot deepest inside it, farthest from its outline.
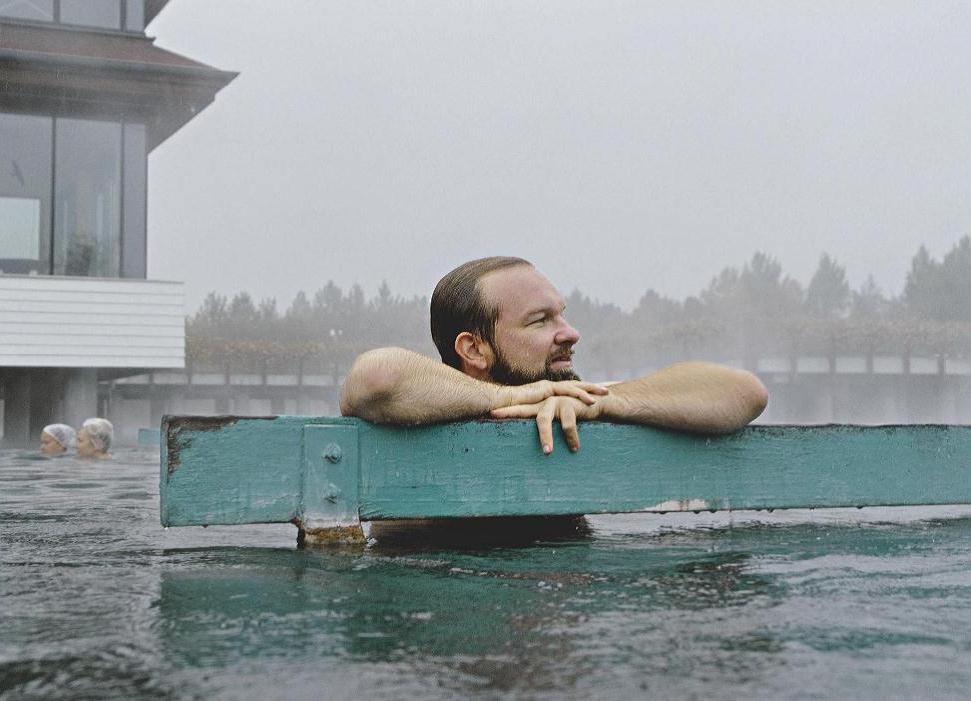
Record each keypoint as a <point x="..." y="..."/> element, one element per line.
<point x="507" y="353"/>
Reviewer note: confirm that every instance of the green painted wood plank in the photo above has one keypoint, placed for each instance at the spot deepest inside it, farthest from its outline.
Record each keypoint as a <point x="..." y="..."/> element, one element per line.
<point x="236" y="470"/>
<point x="331" y="476"/>
<point x="226" y="470"/>
<point x="496" y="469"/>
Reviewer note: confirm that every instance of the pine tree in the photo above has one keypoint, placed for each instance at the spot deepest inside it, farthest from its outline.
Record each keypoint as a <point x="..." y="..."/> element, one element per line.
<point x="940" y="290"/>
<point x="828" y="294"/>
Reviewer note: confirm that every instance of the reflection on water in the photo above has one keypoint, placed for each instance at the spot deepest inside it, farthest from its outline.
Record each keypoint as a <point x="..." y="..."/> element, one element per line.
<point x="527" y="620"/>
<point x="100" y="601"/>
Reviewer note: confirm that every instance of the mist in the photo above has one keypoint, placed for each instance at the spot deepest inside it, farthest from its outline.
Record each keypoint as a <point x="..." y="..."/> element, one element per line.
<point x="619" y="146"/>
<point x="779" y="187"/>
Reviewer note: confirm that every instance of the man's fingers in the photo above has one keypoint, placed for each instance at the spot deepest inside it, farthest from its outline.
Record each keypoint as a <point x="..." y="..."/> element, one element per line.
<point x="544" y="423"/>
<point x="565" y="386"/>
<point x="583" y="391"/>
<point x="593" y="388"/>
<point x="546" y="411"/>
<point x="529" y="394"/>
<point x="518" y="411"/>
<point x="586" y="392"/>
<point x="568" y="420"/>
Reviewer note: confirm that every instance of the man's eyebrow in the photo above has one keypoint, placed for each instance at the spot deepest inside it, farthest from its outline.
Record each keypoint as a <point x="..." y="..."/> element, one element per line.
<point x="558" y="307"/>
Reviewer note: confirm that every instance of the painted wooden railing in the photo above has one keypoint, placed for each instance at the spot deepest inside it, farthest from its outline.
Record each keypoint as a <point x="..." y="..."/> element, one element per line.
<point x="326" y="475"/>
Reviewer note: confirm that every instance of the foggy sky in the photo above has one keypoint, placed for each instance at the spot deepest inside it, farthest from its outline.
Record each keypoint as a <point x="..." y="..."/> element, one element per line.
<point x="618" y="145"/>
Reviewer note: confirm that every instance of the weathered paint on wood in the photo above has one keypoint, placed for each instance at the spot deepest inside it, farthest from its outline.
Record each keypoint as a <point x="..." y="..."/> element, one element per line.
<point x="228" y="470"/>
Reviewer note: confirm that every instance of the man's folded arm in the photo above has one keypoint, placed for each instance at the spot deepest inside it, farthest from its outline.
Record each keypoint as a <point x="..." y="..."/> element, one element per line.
<point x="395" y="385"/>
<point x="690" y="396"/>
<point x="399" y="386"/>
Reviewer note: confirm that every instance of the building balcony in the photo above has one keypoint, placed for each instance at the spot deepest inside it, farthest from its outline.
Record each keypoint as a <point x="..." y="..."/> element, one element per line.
<point x="83" y="322"/>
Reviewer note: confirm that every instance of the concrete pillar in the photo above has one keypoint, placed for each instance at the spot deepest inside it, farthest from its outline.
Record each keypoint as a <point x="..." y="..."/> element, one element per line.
<point x="830" y="406"/>
<point x="962" y="400"/>
<point x="241" y="405"/>
<point x="174" y="405"/>
<point x="947" y="400"/>
<point x="16" y="410"/>
<point x="46" y="387"/>
<point x="80" y="395"/>
<point x="156" y="409"/>
<point x="303" y="403"/>
<point x="221" y="407"/>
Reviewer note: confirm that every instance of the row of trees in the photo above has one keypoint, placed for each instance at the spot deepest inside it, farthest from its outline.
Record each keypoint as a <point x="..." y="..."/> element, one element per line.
<point x="743" y="313"/>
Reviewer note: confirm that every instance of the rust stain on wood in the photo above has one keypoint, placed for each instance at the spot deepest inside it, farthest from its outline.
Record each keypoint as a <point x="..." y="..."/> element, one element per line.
<point x="332" y="536"/>
<point x="175" y="442"/>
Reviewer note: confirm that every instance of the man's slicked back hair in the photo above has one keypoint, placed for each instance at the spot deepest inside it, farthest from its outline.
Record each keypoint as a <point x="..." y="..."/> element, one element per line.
<point x="457" y="305"/>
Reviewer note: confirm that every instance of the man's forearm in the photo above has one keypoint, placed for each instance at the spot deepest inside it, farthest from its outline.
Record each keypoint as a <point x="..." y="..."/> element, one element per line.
<point x="398" y="386"/>
<point x="395" y="385"/>
<point x="694" y="396"/>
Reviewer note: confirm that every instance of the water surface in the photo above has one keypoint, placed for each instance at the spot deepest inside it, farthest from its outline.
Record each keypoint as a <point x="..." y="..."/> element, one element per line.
<point x="99" y="601"/>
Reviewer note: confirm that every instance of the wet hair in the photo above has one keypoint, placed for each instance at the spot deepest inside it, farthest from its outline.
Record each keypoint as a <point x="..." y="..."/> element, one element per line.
<point x="62" y="433"/>
<point x="101" y="433"/>
<point x="457" y="305"/>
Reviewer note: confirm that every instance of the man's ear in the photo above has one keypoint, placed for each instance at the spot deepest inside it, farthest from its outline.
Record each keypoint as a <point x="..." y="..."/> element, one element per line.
<point x="475" y="354"/>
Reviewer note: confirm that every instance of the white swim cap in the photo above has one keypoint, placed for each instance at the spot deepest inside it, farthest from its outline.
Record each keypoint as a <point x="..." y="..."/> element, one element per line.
<point x="62" y="433"/>
<point x="101" y="432"/>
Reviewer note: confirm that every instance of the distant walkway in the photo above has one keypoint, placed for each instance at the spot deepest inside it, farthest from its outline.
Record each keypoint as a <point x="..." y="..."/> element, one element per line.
<point x="807" y="389"/>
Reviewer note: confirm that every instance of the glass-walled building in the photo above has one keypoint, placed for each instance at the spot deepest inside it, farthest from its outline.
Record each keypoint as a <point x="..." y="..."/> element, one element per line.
<point x="127" y="15"/>
<point x="72" y="196"/>
<point x="85" y="95"/>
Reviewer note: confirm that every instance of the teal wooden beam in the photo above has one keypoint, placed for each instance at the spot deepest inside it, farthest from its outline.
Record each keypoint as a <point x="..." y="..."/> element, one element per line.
<point x="321" y="472"/>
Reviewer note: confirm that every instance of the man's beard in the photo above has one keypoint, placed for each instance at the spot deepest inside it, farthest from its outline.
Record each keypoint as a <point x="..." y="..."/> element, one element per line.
<point x="505" y="374"/>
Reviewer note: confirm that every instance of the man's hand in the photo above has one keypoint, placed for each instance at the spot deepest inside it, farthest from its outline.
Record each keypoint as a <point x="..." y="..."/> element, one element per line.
<point x="566" y="409"/>
<point x="535" y="392"/>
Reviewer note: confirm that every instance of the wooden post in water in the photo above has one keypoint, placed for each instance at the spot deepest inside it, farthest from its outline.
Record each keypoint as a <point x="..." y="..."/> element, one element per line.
<point x="326" y="475"/>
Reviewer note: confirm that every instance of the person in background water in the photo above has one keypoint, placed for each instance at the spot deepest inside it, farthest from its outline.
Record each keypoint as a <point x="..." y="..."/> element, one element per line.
<point x="56" y="439"/>
<point x="94" y="439"/>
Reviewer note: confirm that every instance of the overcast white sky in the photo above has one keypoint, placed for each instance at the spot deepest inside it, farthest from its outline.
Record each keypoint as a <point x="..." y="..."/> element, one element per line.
<point x="618" y="145"/>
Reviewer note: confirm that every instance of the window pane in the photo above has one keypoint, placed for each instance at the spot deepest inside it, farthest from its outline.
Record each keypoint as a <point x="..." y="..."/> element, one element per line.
<point x="92" y="13"/>
<point x="37" y="10"/>
<point x="135" y="15"/>
<point x="133" y="226"/>
<point x="87" y="197"/>
<point x="21" y="226"/>
<point x="25" y="193"/>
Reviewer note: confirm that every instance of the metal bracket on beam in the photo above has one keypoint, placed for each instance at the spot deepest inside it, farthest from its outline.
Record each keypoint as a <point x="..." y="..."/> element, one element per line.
<point x="331" y="477"/>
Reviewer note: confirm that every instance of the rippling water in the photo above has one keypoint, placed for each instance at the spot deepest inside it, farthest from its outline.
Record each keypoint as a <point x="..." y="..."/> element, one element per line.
<point x="98" y="601"/>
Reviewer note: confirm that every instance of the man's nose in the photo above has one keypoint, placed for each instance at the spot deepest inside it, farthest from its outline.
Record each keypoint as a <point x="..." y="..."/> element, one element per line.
<point x="566" y="334"/>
